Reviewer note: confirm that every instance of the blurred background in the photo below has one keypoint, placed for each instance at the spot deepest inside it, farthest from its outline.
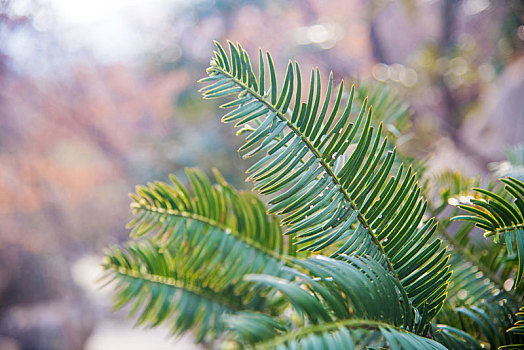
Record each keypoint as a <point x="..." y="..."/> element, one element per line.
<point x="98" y="96"/>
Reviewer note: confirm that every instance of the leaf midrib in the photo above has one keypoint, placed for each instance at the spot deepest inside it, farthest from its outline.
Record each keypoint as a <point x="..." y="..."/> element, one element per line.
<point x="326" y="167"/>
<point x="174" y="283"/>
<point x="504" y="229"/>
<point x="210" y="222"/>
<point x="326" y="327"/>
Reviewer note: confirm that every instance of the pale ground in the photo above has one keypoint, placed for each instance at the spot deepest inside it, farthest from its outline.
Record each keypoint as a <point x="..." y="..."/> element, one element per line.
<point x="120" y="335"/>
<point x="113" y="331"/>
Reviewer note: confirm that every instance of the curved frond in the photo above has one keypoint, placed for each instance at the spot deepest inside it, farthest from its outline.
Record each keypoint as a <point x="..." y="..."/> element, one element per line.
<point x="477" y="303"/>
<point x="328" y="172"/>
<point x="476" y="291"/>
<point x="485" y="322"/>
<point x="204" y="273"/>
<point x="517" y="329"/>
<point x="468" y="286"/>
<point x="183" y="297"/>
<point x="446" y="188"/>
<point x="335" y="299"/>
<point x="349" y="334"/>
<point x="453" y="338"/>
<point x="356" y="288"/>
<point x="200" y="244"/>
<point x="502" y="219"/>
<point x="395" y="115"/>
<point x="162" y="210"/>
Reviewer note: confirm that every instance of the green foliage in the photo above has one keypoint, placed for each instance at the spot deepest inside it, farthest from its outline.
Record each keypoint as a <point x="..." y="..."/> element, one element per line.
<point x="502" y="219"/>
<point x="160" y="208"/>
<point x="518" y="328"/>
<point x="320" y="194"/>
<point x="477" y="301"/>
<point x="345" y="295"/>
<point x="395" y="115"/>
<point x="210" y="259"/>
<point x="214" y="236"/>
<point x="501" y="214"/>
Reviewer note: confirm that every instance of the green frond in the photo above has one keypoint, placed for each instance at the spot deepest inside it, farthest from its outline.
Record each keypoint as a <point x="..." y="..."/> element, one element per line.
<point x="517" y="329"/>
<point x="502" y="219"/>
<point x="163" y="210"/>
<point x="453" y="338"/>
<point x="476" y="290"/>
<point x="395" y="115"/>
<point x="479" y="269"/>
<point x="201" y="242"/>
<point x="487" y="321"/>
<point x="328" y="173"/>
<point x="448" y="187"/>
<point x="212" y="223"/>
<point x="163" y="287"/>
<point x="468" y="285"/>
<point x="331" y="290"/>
<point x="205" y="272"/>
<point x="334" y="299"/>
<point x="474" y="296"/>
<point x="349" y="334"/>
<point x="210" y="259"/>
